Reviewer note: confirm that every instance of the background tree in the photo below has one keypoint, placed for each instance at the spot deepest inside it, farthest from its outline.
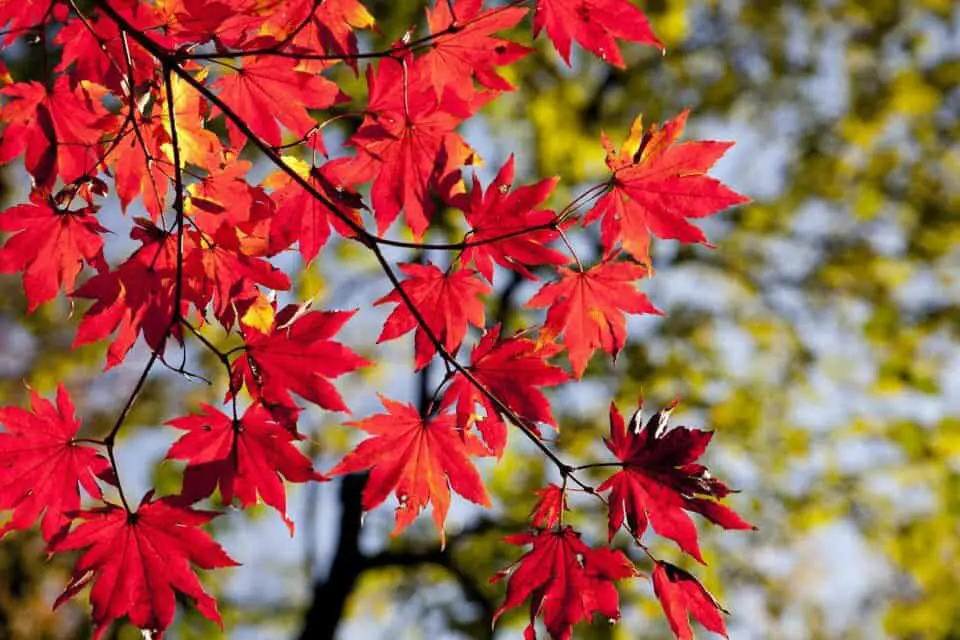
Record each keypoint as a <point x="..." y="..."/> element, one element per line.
<point x="819" y="339"/>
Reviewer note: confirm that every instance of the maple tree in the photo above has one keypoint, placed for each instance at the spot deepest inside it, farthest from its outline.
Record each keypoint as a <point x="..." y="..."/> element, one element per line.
<point x="157" y="101"/>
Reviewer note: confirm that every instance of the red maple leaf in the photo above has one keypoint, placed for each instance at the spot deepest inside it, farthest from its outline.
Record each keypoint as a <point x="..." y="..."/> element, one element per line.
<point x="271" y="88"/>
<point x="224" y="199"/>
<point x="59" y="130"/>
<point x="595" y="24"/>
<point x="26" y="14"/>
<point x="657" y="184"/>
<point x="51" y="247"/>
<point x="297" y="356"/>
<point x="551" y="504"/>
<point x="230" y="277"/>
<point x="300" y="217"/>
<point x="42" y="467"/>
<point x="512" y="370"/>
<point x="138" y="296"/>
<point x="448" y="302"/>
<point x="588" y="308"/>
<point x="138" y="165"/>
<point x="681" y="594"/>
<point x="243" y="458"/>
<point x="234" y="23"/>
<point x="93" y="47"/>
<point x="334" y="24"/>
<point x="136" y="561"/>
<point x="233" y="223"/>
<point x="325" y="27"/>
<point x="501" y="213"/>
<point x="419" y="461"/>
<point x="467" y="48"/>
<point x="566" y="580"/>
<point x="408" y="145"/>
<point x="661" y="480"/>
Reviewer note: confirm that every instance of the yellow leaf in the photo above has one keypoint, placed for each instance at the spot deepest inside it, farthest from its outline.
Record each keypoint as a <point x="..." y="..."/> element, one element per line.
<point x="259" y="316"/>
<point x="198" y="146"/>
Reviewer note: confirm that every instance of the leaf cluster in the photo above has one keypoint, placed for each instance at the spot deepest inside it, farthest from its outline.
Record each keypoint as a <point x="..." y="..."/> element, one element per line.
<point x="158" y="102"/>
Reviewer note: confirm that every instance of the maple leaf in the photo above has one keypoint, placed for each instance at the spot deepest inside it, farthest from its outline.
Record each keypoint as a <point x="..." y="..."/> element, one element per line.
<point x="231" y="277"/>
<point x="302" y="217"/>
<point x="566" y="580"/>
<point x="512" y="370"/>
<point x="325" y="27"/>
<point x="198" y="145"/>
<point x="498" y="213"/>
<point x="136" y="561"/>
<point x="419" y="461"/>
<point x="466" y="47"/>
<point x="138" y="296"/>
<point x="551" y="504"/>
<point x="335" y="22"/>
<point x="24" y="14"/>
<point x="681" y="594"/>
<point x="50" y="248"/>
<point x="408" y="146"/>
<point x="137" y="162"/>
<point x="224" y="198"/>
<point x="448" y="302"/>
<point x="660" y="480"/>
<point x="92" y="46"/>
<point x="243" y="458"/>
<point x="229" y="22"/>
<point x="296" y="356"/>
<point x="588" y="308"/>
<point x="270" y="88"/>
<point x="221" y="262"/>
<point x="657" y="184"/>
<point x="595" y="24"/>
<point x="59" y="130"/>
<point x="42" y="466"/>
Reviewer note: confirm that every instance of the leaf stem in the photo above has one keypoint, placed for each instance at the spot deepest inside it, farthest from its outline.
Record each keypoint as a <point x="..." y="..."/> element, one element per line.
<point x="598" y="465"/>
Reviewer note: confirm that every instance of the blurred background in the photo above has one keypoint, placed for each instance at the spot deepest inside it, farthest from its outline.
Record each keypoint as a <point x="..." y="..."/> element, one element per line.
<point x="821" y="340"/>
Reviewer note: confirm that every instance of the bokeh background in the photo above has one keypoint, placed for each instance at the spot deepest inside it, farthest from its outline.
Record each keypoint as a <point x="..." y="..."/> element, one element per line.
<point x="821" y="339"/>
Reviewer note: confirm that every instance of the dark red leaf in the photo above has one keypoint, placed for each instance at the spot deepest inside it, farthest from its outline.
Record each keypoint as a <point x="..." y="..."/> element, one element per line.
<point x="659" y="482"/>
